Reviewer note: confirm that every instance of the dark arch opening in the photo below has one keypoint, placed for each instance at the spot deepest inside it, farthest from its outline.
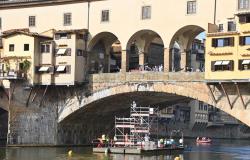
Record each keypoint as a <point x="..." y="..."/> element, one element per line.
<point x="187" y="49"/>
<point x="105" y="53"/>
<point x="146" y="51"/>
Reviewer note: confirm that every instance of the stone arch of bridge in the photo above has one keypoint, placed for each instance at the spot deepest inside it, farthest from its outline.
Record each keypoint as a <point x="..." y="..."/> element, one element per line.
<point x="104" y="51"/>
<point x="180" y="46"/>
<point x="145" y="48"/>
<point x="197" y="90"/>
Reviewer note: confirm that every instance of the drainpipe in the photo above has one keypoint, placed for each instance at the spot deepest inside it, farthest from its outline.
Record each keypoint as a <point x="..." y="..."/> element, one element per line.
<point x="215" y="10"/>
<point x="87" y="34"/>
<point x="86" y="37"/>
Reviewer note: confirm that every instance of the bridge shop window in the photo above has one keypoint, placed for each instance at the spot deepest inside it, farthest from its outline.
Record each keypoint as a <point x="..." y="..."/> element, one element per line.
<point x="191" y="7"/>
<point x="105" y="16"/>
<point x="231" y="26"/>
<point x="244" y="64"/>
<point x="222" y="65"/>
<point x="26" y="47"/>
<point x="146" y="12"/>
<point x="244" y="40"/>
<point x="244" y="18"/>
<point x="62" y="36"/>
<point x="45" y="48"/>
<point x="221" y="28"/>
<point x="11" y="48"/>
<point x="223" y="42"/>
<point x="67" y="19"/>
<point x="243" y="4"/>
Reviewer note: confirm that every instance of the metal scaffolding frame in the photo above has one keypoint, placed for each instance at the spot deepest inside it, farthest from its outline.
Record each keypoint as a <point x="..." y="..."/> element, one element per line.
<point x="131" y="131"/>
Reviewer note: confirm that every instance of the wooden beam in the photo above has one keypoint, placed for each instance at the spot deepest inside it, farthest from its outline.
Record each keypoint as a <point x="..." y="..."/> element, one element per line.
<point x="27" y="102"/>
<point x="211" y="92"/>
<point x="241" y="98"/>
<point x="43" y="95"/>
<point x="229" y="102"/>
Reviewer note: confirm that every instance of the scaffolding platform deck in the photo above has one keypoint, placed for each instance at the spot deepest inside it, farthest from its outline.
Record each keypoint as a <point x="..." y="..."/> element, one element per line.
<point x="131" y="150"/>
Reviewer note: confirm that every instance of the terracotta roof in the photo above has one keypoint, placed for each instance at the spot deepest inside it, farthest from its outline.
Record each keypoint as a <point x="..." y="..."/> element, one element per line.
<point x="72" y="31"/>
<point x="23" y="31"/>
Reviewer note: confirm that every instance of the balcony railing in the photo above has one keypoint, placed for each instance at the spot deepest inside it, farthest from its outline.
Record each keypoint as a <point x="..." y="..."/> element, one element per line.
<point x="11" y="75"/>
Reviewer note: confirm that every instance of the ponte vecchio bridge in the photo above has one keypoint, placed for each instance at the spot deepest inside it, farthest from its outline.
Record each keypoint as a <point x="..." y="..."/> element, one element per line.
<point x="122" y="28"/>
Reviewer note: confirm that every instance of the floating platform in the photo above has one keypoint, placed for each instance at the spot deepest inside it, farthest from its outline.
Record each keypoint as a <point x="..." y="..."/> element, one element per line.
<point x="120" y="150"/>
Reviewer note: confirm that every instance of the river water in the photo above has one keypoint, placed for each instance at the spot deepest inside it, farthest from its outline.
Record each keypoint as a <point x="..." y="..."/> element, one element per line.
<point x="219" y="150"/>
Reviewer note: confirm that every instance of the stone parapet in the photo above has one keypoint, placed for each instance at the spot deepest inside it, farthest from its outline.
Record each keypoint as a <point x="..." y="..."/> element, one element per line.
<point x="147" y="77"/>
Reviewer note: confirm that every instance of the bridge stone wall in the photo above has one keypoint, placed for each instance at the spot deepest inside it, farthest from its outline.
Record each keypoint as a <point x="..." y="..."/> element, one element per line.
<point x="43" y="124"/>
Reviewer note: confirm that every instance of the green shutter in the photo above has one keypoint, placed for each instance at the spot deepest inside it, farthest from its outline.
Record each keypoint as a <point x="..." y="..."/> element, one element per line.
<point x="214" y="42"/>
<point x="213" y="66"/>
<point x="240" y="66"/>
<point x="231" y="65"/>
<point x="231" y="41"/>
<point x="242" y="40"/>
<point x="242" y="19"/>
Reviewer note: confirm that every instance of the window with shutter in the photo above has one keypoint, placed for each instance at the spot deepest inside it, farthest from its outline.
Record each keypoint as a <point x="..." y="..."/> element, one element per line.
<point x="213" y="66"/>
<point x="240" y="66"/>
<point x="242" y="19"/>
<point x="68" y="52"/>
<point x="57" y="36"/>
<point x="231" y="26"/>
<point x="242" y="40"/>
<point x="220" y="27"/>
<point x="214" y="42"/>
<point x="231" y="65"/>
<point x="68" y="69"/>
<point x="68" y="36"/>
<point x="231" y="41"/>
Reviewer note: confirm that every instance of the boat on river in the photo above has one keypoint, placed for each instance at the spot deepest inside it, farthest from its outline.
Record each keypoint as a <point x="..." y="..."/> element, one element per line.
<point x="203" y="140"/>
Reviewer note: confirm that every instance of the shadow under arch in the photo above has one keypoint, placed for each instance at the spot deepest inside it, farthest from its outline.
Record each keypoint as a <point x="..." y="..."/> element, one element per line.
<point x="145" y="48"/>
<point x="3" y="126"/>
<point x="104" y="51"/>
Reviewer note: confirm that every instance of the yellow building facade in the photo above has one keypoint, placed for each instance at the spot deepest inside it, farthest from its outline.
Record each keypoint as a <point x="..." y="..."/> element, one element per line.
<point x="228" y="52"/>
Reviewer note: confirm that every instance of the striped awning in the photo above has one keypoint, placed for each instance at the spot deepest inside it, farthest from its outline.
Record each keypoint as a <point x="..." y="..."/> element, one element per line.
<point x="60" y="68"/>
<point x="43" y="69"/>
<point x="217" y="63"/>
<point x="246" y="61"/>
<point x="61" y="51"/>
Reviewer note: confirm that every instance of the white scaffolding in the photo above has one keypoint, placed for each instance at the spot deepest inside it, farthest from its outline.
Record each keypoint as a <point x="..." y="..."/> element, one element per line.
<point x="131" y="131"/>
